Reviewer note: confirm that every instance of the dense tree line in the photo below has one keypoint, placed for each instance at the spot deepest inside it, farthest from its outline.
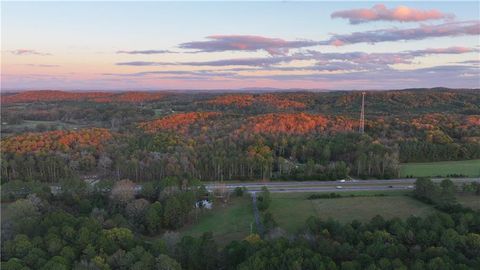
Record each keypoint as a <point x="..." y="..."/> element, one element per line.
<point x="422" y="151"/>
<point x="82" y="228"/>
<point x="222" y="137"/>
<point x="148" y="157"/>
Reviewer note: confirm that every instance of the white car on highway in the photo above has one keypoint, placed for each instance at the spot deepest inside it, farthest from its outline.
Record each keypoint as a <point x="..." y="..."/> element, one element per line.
<point x="339" y="187"/>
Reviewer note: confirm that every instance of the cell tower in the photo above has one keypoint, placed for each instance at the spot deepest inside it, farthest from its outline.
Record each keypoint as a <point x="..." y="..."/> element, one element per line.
<point x="362" y="115"/>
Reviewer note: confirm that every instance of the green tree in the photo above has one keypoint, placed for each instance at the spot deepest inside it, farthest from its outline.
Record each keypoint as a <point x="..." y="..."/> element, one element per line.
<point x="12" y="264"/>
<point x="24" y="215"/>
<point x="238" y="191"/>
<point x="136" y="209"/>
<point x="264" y="199"/>
<point x="425" y="189"/>
<point x="123" y="237"/>
<point x="163" y="262"/>
<point x="153" y="218"/>
<point x="447" y="192"/>
<point x="172" y="214"/>
<point x="56" y="263"/>
<point x="268" y="221"/>
<point x="36" y="258"/>
<point x="22" y="245"/>
<point x="207" y="249"/>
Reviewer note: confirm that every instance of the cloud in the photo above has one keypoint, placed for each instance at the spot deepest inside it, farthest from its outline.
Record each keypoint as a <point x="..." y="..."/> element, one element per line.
<point x="277" y="46"/>
<point x="220" y="43"/>
<point x="366" y="59"/>
<point x="381" y="13"/>
<point x="259" y="61"/>
<point x="455" y="76"/>
<point x="140" y="63"/>
<point x="42" y="65"/>
<point x="450" y="50"/>
<point x="27" y="52"/>
<point x="470" y="62"/>
<point x="199" y="73"/>
<point x="445" y="75"/>
<point x="254" y="62"/>
<point x="146" y="52"/>
<point x="451" y="29"/>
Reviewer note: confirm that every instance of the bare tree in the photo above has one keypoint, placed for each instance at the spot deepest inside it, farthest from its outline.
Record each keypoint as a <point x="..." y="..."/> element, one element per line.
<point x="135" y="209"/>
<point x="123" y="191"/>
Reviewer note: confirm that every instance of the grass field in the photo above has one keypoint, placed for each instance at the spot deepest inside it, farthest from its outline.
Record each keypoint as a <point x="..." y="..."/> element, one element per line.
<point x="228" y="223"/>
<point x="471" y="201"/>
<point x="291" y="210"/>
<point x="466" y="167"/>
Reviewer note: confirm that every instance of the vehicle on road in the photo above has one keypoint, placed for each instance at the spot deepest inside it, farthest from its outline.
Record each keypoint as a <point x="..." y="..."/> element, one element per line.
<point x="339" y="187"/>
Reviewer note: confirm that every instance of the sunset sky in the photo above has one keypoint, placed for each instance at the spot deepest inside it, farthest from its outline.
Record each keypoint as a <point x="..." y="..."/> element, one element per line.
<point x="215" y="45"/>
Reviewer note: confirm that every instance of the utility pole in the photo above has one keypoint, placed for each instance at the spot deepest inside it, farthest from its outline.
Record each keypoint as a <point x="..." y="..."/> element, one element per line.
<point x="362" y="115"/>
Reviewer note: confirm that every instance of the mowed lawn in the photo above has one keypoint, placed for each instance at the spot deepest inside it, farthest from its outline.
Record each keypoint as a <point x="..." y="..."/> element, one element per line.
<point x="227" y="223"/>
<point x="469" y="168"/>
<point x="292" y="210"/>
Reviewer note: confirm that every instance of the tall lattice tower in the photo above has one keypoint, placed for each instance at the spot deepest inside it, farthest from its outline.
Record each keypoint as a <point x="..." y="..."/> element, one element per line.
<point x="362" y="115"/>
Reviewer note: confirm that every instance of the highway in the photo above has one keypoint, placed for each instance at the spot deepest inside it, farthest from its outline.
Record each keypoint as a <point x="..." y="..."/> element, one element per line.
<point x="332" y="186"/>
<point x="314" y="186"/>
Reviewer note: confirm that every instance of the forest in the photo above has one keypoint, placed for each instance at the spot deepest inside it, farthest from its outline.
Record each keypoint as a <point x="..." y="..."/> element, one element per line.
<point x="147" y="136"/>
<point x="72" y="164"/>
<point x="85" y="228"/>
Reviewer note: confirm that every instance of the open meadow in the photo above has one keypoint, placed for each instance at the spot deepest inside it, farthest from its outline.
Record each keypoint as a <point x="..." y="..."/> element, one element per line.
<point x="229" y="222"/>
<point x="470" y="168"/>
<point x="291" y="210"/>
<point x="469" y="200"/>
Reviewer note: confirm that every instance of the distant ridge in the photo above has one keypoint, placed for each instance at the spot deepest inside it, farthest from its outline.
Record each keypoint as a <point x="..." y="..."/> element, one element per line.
<point x="240" y="90"/>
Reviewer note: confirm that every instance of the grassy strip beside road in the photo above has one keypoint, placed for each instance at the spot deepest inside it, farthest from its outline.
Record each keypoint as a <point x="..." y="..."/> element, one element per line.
<point x="470" y="168"/>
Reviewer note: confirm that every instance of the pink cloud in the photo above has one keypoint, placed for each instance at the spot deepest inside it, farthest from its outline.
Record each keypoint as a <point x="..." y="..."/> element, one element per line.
<point x="381" y="13"/>
<point x="449" y="29"/>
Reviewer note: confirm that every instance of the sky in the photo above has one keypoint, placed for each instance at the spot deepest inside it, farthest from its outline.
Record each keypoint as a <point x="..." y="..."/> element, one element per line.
<point x="237" y="45"/>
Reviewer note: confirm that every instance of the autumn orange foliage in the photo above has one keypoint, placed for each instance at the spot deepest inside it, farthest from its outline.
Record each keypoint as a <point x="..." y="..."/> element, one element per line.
<point x="50" y="95"/>
<point x="133" y="97"/>
<point x="178" y="122"/>
<point x="473" y="120"/>
<point x="101" y="97"/>
<point x="237" y="100"/>
<point x="58" y="140"/>
<point x="281" y="103"/>
<point x="429" y="121"/>
<point x="436" y="120"/>
<point x="266" y="99"/>
<point x="296" y="123"/>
